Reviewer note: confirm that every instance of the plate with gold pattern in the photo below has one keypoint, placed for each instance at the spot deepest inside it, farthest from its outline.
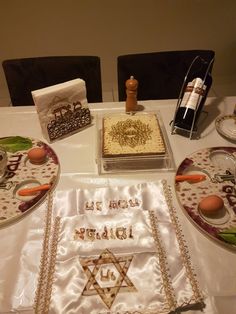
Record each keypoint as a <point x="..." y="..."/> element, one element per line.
<point x="21" y="174"/>
<point x="226" y="126"/>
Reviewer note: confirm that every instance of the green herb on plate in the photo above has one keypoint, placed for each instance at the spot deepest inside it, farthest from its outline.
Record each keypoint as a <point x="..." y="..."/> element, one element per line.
<point x="229" y="235"/>
<point x="13" y="144"/>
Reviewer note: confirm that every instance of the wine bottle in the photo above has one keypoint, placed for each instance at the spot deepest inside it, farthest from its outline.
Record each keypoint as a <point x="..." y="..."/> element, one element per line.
<point x="192" y="102"/>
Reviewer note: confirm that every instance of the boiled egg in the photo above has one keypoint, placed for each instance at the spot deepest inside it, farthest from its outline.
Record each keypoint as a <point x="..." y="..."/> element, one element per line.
<point x="211" y="205"/>
<point x="37" y="155"/>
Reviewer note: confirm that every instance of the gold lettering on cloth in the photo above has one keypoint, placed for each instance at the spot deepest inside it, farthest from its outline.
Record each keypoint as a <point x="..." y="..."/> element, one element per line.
<point x="92" y="234"/>
<point x="89" y="206"/>
<point x="105" y="234"/>
<point x="109" y="276"/>
<point x="79" y="233"/>
<point x="112" y="204"/>
<point x="93" y="206"/>
<point x="119" y="284"/>
<point x="121" y="233"/>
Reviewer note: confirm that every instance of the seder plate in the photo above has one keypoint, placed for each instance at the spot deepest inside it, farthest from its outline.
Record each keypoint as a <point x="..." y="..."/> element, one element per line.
<point x="226" y="126"/>
<point x="21" y="173"/>
<point x="210" y="162"/>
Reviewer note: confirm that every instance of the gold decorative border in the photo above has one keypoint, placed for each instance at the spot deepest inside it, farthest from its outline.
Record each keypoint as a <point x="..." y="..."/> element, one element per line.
<point x="166" y="279"/>
<point x="51" y="264"/>
<point x="43" y="271"/>
<point x="47" y="262"/>
<point x="197" y="296"/>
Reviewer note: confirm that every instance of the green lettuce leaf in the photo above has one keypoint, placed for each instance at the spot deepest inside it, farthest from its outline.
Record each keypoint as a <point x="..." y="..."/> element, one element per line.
<point x="14" y="144"/>
<point x="228" y="237"/>
<point x="230" y="230"/>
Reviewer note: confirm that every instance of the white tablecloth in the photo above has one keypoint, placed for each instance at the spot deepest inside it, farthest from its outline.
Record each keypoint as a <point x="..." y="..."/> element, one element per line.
<point x="21" y="243"/>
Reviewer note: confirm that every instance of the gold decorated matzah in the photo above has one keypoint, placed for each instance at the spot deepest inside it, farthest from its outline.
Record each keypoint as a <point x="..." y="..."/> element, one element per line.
<point x="127" y="135"/>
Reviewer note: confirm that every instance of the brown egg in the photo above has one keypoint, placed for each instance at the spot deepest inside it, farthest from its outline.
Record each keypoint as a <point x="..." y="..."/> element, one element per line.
<point x="211" y="205"/>
<point x="37" y="155"/>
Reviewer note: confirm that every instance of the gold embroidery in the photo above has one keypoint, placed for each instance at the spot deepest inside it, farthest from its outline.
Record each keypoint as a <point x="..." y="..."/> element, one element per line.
<point x="123" y="204"/>
<point x="51" y="263"/>
<point x="93" y="206"/>
<point x="130" y="133"/>
<point x="108" y="276"/>
<point x="91" y="234"/>
<point x="197" y="296"/>
<point x="40" y="295"/>
<point x="113" y="204"/>
<point x="105" y="234"/>
<point x="122" y="283"/>
<point x="161" y="253"/>
<point x="47" y="262"/>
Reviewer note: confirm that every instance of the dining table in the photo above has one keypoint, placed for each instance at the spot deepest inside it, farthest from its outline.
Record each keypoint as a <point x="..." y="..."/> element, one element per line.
<point x="21" y="240"/>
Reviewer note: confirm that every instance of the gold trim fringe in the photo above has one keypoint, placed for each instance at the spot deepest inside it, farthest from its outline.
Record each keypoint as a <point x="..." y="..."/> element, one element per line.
<point x="166" y="280"/>
<point x="43" y="271"/>
<point x="197" y="296"/>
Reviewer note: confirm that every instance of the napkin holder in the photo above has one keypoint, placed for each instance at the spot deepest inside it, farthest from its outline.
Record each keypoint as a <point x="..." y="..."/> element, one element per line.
<point x="194" y="127"/>
<point x="62" y="109"/>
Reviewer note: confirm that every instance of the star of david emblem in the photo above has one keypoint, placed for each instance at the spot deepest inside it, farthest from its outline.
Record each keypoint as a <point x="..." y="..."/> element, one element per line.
<point x="117" y="280"/>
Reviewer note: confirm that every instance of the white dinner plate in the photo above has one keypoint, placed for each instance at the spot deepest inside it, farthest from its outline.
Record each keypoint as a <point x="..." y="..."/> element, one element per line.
<point x="226" y="126"/>
<point x="20" y="173"/>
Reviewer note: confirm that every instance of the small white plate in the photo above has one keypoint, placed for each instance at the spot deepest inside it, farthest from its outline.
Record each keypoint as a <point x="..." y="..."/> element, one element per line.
<point x="25" y="185"/>
<point x="226" y="126"/>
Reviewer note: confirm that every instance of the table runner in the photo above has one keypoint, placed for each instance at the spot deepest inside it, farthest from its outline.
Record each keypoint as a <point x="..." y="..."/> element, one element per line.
<point x="115" y="250"/>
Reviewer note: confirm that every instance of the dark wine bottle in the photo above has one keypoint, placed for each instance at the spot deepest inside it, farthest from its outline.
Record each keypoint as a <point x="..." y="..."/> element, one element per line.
<point x="192" y="102"/>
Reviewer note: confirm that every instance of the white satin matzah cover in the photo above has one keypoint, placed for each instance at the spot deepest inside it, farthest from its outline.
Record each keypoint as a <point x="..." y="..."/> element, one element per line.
<point x="117" y="250"/>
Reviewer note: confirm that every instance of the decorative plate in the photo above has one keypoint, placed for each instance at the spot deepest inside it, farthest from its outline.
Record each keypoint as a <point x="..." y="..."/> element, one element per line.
<point x="219" y="166"/>
<point x="226" y="126"/>
<point x="21" y="173"/>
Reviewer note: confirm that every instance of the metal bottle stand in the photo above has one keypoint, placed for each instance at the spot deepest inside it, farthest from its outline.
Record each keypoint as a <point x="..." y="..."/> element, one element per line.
<point x="193" y="130"/>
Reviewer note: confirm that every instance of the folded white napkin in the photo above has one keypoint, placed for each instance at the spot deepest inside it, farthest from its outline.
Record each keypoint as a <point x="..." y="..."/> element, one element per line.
<point x="62" y="109"/>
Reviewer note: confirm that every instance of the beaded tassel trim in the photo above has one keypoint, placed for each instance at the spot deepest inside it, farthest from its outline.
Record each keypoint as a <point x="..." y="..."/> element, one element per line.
<point x="43" y="271"/>
<point x="47" y="262"/>
<point x="197" y="296"/>
<point x="161" y="253"/>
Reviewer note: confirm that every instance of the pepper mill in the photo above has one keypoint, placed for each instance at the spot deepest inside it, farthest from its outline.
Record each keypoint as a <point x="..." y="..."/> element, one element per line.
<point x="131" y="92"/>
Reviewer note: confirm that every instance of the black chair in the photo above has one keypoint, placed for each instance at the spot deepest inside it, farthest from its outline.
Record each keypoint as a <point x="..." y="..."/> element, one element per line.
<point x="160" y="74"/>
<point x="28" y="74"/>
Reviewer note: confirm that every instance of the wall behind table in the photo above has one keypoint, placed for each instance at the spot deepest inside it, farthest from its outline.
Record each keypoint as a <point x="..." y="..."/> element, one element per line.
<point x="111" y="28"/>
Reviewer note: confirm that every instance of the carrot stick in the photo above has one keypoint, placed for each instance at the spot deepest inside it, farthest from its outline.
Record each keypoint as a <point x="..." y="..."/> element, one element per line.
<point x="190" y="177"/>
<point x="34" y="190"/>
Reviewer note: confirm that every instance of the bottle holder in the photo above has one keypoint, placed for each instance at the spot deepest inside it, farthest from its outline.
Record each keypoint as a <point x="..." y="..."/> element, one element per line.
<point x="194" y="129"/>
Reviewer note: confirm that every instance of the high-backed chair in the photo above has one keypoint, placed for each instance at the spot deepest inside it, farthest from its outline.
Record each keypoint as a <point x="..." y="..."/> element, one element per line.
<point x="28" y="74"/>
<point x="160" y="74"/>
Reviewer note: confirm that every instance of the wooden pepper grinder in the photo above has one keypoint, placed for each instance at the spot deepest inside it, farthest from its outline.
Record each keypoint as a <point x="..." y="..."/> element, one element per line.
<point x="131" y="92"/>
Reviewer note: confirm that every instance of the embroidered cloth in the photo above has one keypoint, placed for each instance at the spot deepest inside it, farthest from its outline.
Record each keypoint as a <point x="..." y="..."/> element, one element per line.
<point x="116" y="250"/>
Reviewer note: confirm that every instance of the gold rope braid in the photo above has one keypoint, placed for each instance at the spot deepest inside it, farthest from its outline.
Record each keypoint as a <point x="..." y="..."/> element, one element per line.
<point x="43" y="270"/>
<point x="197" y="296"/>
<point x="51" y="264"/>
<point x="166" y="280"/>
